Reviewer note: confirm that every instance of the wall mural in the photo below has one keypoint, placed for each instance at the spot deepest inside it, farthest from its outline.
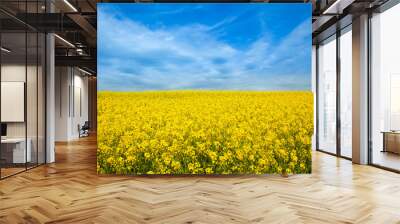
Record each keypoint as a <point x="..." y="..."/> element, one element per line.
<point x="204" y="89"/>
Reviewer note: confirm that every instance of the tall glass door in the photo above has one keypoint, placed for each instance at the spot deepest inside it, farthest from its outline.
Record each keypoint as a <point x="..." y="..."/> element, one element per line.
<point x="346" y="92"/>
<point x="327" y="95"/>
<point x="385" y="89"/>
<point x="22" y="100"/>
<point x="14" y="153"/>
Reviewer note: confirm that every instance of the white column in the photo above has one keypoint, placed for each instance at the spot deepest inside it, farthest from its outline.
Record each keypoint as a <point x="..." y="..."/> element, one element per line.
<point x="62" y="103"/>
<point x="50" y="100"/>
<point x="360" y="89"/>
<point x="50" y="92"/>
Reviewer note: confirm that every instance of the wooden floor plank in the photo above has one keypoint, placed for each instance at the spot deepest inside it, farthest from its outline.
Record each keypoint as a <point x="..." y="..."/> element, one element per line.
<point x="70" y="191"/>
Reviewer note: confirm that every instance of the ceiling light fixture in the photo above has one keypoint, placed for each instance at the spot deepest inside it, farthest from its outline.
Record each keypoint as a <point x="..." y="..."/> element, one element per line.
<point x="79" y="51"/>
<point x="333" y="6"/>
<point x="84" y="71"/>
<point x="5" y="50"/>
<point x="70" y="5"/>
<point x="337" y="7"/>
<point x="65" y="41"/>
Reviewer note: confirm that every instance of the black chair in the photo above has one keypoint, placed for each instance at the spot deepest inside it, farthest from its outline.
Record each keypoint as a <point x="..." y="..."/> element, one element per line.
<point x="84" y="130"/>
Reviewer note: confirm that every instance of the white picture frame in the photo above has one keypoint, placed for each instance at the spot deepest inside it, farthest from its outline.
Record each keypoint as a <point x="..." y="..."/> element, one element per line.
<point x="12" y="101"/>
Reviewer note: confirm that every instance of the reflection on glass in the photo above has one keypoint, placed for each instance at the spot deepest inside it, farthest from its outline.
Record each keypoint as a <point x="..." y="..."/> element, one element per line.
<point x="22" y="91"/>
<point x="14" y="153"/>
<point x="346" y="92"/>
<point x="386" y="89"/>
<point x="327" y="95"/>
<point x="32" y="73"/>
<point x="41" y="98"/>
<point x="395" y="102"/>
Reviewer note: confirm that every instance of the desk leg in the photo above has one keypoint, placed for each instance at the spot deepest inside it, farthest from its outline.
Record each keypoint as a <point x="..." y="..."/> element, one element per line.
<point x="384" y="142"/>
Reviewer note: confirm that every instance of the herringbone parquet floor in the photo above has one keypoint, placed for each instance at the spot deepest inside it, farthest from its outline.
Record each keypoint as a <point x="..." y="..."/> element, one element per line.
<point x="70" y="191"/>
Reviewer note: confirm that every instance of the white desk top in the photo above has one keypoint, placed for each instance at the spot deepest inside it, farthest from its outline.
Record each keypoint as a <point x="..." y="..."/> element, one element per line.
<point x="13" y="140"/>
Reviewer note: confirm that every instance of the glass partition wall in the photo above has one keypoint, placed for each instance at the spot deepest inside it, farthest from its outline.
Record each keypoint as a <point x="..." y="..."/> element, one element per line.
<point x="334" y="84"/>
<point x="22" y="107"/>
<point x="345" y="61"/>
<point x="385" y="89"/>
<point x="334" y="90"/>
<point x="327" y="95"/>
<point x="13" y="89"/>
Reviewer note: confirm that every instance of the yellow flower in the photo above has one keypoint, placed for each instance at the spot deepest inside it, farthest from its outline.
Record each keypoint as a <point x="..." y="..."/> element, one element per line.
<point x="251" y="157"/>
<point x="165" y="132"/>
<point x="110" y="160"/>
<point x="130" y="158"/>
<point x="176" y="165"/>
<point x="191" y="166"/>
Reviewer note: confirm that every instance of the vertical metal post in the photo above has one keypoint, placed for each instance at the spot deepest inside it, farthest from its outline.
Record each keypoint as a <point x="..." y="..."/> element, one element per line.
<point x="0" y="93"/>
<point x="338" y="81"/>
<point x="37" y="89"/>
<point x="45" y="94"/>
<point x="317" y="97"/>
<point x="26" y="86"/>
<point x="369" y="73"/>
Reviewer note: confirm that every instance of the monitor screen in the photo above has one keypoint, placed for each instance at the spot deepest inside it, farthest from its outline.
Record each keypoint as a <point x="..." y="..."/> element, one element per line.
<point x="3" y="129"/>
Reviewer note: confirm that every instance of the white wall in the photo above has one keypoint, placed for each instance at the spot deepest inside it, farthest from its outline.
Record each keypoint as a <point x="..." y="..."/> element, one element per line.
<point x="81" y="94"/>
<point x="62" y="82"/>
<point x="71" y="87"/>
<point x="17" y="72"/>
<point x="13" y="101"/>
<point x="33" y="127"/>
<point x="14" y="72"/>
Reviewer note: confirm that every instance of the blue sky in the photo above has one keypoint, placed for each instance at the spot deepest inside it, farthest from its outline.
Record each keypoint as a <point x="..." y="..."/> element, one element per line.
<point x="204" y="46"/>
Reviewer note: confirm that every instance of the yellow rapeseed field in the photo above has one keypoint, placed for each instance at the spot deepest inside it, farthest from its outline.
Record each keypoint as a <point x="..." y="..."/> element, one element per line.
<point x="204" y="132"/>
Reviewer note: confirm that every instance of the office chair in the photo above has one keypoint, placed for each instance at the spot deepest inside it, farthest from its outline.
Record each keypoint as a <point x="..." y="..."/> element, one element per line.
<point x="84" y="130"/>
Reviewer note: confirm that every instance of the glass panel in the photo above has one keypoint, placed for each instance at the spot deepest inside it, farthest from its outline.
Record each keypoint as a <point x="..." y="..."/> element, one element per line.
<point x="313" y="81"/>
<point x="327" y="95"/>
<point x="346" y="92"/>
<point x="386" y="89"/>
<point x="32" y="88"/>
<point x="23" y="90"/>
<point x="31" y="100"/>
<point x="13" y="88"/>
<point x="41" y="99"/>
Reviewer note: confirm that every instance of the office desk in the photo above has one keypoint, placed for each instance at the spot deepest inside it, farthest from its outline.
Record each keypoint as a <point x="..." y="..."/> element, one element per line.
<point x="16" y="147"/>
<point x="391" y="141"/>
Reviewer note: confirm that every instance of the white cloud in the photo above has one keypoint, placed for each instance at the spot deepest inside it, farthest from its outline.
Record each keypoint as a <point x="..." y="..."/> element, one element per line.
<point x="134" y="57"/>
